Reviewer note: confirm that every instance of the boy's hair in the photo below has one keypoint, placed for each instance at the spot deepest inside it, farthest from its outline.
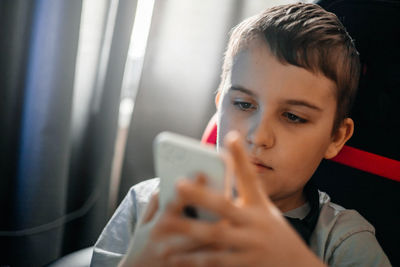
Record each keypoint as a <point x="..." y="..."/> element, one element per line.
<point x="307" y="36"/>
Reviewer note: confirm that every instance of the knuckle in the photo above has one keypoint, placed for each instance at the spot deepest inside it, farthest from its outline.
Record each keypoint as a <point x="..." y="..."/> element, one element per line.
<point x="178" y="261"/>
<point x="217" y="232"/>
<point x="211" y="262"/>
<point x="165" y="224"/>
<point x="225" y="205"/>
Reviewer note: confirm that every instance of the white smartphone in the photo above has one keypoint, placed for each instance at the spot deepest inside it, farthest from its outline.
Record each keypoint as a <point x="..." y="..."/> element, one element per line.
<point x="177" y="157"/>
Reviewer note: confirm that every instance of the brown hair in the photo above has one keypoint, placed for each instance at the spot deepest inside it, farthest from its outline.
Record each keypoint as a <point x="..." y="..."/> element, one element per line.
<point x="307" y="36"/>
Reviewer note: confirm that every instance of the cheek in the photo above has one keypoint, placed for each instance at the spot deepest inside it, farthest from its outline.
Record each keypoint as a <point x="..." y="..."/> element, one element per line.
<point x="307" y="151"/>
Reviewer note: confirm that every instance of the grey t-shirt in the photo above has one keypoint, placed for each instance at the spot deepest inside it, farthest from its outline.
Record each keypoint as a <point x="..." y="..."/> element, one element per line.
<point x="341" y="237"/>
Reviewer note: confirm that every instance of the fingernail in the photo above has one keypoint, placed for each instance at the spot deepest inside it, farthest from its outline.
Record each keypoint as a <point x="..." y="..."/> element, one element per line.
<point x="231" y="137"/>
<point x="201" y="179"/>
<point x="181" y="184"/>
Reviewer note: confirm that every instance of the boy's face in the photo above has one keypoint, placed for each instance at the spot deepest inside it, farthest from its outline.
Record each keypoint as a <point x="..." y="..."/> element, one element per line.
<point x="285" y="114"/>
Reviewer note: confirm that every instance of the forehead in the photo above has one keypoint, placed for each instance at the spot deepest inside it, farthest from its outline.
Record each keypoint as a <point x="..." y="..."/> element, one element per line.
<point x="256" y="69"/>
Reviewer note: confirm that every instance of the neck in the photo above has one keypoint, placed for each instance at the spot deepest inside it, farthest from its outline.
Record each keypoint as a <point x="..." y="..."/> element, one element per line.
<point x="290" y="202"/>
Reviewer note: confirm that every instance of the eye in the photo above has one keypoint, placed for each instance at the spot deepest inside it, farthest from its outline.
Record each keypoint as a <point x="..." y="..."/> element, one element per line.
<point x="293" y="118"/>
<point x="245" y="106"/>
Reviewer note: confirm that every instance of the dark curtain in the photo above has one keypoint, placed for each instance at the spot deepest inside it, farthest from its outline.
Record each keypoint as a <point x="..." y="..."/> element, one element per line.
<point x="54" y="185"/>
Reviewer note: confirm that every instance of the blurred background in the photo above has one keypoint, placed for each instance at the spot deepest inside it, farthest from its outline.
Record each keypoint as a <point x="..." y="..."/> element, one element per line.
<point x="85" y="85"/>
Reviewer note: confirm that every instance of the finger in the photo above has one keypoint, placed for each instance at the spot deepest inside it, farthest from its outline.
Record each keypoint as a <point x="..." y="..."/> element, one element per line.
<point x="248" y="186"/>
<point x="173" y="235"/>
<point x="208" y="258"/>
<point x="173" y="244"/>
<point x="200" y="179"/>
<point x="176" y="206"/>
<point x="151" y="209"/>
<point x="202" y="196"/>
<point x="220" y="233"/>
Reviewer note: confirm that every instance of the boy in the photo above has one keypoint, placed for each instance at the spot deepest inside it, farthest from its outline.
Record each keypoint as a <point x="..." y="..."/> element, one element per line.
<point x="289" y="77"/>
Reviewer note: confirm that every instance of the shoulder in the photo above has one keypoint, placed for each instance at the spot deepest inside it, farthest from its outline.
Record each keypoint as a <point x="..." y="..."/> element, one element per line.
<point x="343" y="237"/>
<point x="115" y="237"/>
<point x="136" y="199"/>
<point x="338" y="219"/>
<point x="143" y="190"/>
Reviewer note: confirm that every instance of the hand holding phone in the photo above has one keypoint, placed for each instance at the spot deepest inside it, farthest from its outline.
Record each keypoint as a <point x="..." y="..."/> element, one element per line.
<point x="177" y="157"/>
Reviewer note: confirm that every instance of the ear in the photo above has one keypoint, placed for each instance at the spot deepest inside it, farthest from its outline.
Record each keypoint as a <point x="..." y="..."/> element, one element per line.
<point x="341" y="136"/>
<point x="217" y="98"/>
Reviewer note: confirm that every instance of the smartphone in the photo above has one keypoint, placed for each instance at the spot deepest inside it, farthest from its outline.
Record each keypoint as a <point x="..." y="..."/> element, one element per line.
<point x="176" y="157"/>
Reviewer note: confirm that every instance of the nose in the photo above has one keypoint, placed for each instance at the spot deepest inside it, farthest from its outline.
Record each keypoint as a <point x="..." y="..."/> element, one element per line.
<point x="261" y="133"/>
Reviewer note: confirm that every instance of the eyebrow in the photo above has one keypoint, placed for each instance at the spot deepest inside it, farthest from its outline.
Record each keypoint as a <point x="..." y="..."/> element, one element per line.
<point x="241" y="89"/>
<point x="295" y="102"/>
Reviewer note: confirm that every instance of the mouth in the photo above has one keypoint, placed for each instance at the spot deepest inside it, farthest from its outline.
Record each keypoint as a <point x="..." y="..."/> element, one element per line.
<point x="260" y="166"/>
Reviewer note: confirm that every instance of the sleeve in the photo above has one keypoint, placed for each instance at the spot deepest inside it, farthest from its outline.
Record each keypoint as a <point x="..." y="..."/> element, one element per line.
<point x="114" y="240"/>
<point x="359" y="248"/>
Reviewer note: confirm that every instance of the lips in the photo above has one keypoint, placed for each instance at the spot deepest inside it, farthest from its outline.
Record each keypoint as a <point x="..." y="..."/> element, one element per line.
<point x="261" y="166"/>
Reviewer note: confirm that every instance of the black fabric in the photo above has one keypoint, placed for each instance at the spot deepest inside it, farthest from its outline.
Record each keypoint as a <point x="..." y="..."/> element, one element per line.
<point x="305" y="227"/>
<point x="375" y="26"/>
<point x="14" y="41"/>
